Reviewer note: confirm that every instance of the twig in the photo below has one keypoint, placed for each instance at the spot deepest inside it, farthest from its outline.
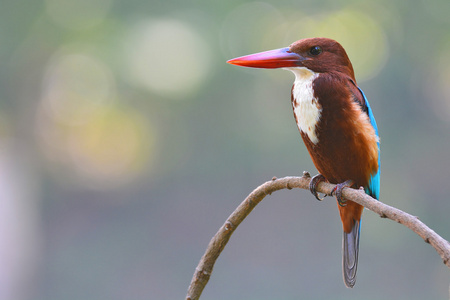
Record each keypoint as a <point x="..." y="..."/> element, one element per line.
<point x="220" y="239"/>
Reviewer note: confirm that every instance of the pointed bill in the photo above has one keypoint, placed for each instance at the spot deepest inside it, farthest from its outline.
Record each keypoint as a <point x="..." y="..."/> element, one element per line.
<point x="273" y="59"/>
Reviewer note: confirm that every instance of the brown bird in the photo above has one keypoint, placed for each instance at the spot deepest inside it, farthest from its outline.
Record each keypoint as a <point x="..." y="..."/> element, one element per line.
<point x="337" y="126"/>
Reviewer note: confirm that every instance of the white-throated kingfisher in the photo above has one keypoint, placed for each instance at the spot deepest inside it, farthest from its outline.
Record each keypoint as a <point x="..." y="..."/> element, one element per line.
<point x="337" y="126"/>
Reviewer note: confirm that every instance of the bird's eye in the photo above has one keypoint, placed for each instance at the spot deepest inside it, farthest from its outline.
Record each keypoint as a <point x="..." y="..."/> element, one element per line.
<point x="316" y="50"/>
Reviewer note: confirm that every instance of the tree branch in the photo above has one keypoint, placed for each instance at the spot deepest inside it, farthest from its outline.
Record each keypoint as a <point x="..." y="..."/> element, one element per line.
<point x="220" y="239"/>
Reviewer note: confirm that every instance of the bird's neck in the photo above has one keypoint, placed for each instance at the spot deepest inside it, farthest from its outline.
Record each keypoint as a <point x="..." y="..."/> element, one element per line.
<point x="307" y="109"/>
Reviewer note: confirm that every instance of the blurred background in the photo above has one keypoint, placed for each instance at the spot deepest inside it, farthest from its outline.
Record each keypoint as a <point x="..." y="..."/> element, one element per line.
<point x="126" y="141"/>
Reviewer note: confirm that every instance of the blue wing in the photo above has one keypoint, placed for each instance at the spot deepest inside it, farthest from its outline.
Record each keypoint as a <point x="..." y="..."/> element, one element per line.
<point x="373" y="188"/>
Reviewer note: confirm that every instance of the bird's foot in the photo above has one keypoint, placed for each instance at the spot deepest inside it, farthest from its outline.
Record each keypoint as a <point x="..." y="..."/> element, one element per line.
<point x="313" y="184"/>
<point x="337" y="191"/>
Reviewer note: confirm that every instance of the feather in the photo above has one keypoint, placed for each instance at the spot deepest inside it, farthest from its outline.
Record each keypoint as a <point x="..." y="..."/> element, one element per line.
<point x="350" y="250"/>
<point x="373" y="189"/>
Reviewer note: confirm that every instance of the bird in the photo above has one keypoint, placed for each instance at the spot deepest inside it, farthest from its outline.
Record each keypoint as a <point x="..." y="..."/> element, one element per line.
<point x="336" y="124"/>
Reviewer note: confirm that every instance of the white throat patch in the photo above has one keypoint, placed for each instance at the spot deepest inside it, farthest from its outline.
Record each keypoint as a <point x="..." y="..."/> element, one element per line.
<point x="307" y="109"/>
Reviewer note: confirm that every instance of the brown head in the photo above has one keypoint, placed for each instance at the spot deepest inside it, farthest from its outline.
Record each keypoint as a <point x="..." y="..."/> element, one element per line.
<point x="320" y="55"/>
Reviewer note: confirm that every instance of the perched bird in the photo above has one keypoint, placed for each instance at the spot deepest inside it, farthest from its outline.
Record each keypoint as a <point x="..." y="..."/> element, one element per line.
<point x="337" y="126"/>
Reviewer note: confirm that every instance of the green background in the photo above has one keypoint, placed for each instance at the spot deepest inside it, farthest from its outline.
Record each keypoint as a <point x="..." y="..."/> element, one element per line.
<point x="126" y="141"/>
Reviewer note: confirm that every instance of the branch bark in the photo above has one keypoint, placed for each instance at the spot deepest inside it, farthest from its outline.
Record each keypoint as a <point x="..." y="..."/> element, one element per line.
<point x="205" y="267"/>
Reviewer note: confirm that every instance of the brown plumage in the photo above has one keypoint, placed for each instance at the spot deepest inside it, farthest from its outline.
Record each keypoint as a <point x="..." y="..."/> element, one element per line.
<point x="335" y="122"/>
<point x="347" y="145"/>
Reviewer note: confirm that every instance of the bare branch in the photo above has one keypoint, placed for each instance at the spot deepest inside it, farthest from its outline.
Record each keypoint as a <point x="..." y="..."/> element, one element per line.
<point x="220" y="239"/>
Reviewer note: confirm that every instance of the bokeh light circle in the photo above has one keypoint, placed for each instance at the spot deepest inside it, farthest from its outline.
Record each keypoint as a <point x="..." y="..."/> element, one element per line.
<point x="167" y="57"/>
<point x="84" y="129"/>
<point x="112" y="147"/>
<point x="75" y="85"/>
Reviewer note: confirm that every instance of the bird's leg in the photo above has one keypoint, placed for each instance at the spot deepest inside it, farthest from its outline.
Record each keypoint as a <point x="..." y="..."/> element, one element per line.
<point x="337" y="191"/>
<point x="313" y="184"/>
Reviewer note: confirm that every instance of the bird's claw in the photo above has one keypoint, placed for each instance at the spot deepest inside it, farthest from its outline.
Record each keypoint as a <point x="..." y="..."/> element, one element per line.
<point x="337" y="191"/>
<point x="313" y="184"/>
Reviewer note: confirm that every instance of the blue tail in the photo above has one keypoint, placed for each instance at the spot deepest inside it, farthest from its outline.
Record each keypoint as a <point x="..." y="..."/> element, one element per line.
<point x="350" y="249"/>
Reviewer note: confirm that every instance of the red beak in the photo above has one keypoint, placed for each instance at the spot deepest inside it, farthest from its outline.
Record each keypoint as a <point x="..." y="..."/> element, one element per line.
<point x="273" y="59"/>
